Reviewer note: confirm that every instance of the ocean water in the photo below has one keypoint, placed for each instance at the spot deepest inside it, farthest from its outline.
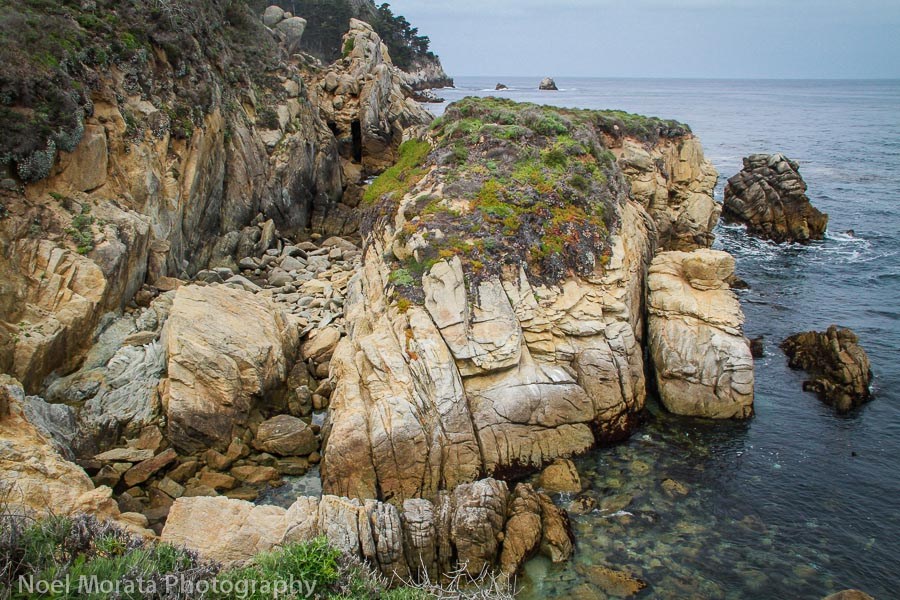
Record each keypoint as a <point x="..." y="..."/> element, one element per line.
<point x="799" y="502"/>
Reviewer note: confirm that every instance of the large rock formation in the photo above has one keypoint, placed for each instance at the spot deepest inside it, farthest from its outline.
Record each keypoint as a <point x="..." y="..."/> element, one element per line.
<point x="700" y="356"/>
<point x="470" y="527"/>
<point x="674" y="182"/>
<point x="769" y="196"/>
<point x="157" y="188"/>
<point x="225" y="349"/>
<point x="838" y="367"/>
<point x="364" y="99"/>
<point x="487" y="336"/>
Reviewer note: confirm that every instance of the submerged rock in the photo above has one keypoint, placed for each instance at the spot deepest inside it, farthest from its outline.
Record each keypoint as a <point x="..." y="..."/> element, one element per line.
<point x="701" y="358"/>
<point x="769" y="196"/>
<point x="839" y="369"/>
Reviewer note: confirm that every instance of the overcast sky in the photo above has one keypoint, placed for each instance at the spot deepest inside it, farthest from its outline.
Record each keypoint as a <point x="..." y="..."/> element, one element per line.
<point x="662" y="38"/>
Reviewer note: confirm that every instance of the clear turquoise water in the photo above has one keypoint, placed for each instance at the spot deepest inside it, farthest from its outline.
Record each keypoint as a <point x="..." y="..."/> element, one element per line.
<point x="799" y="502"/>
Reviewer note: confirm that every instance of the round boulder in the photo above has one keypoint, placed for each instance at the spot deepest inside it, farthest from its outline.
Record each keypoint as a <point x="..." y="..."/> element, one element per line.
<point x="548" y="85"/>
<point x="285" y="435"/>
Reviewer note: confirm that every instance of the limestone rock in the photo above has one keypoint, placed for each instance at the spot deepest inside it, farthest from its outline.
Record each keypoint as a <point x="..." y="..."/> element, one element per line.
<point x="142" y="471"/>
<point x="701" y="358"/>
<point x="226" y="348"/>
<point x="285" y="435"/>
<point x="769" y="196"/>
<point x="838" y="367"/>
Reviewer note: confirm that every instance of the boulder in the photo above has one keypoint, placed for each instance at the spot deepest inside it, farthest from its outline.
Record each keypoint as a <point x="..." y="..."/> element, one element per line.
<point x="838" y="367"/>
<point x="701" y="358"/>
<point x="560" y="476"/>
<point x="769" y="197"/>
<point x="273" y="15"/>
<point x="547" y="84"/>
<point x="522" y="536"/>
<point x="226" y="348"/>
<point x="285" y="435"/>
<point x="223" y="529"/>
<point x="142" y="471"/>
<point x="292" y="28"/>
<point x="501" y="86"/>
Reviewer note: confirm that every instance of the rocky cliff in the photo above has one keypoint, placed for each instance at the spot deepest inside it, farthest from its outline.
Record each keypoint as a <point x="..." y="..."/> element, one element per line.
<point x="498" y="319"/>
<point x="176" y="312"/>
<point x="160" y="187"/>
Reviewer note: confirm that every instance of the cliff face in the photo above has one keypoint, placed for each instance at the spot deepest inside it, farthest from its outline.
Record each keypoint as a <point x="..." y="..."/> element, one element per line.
<point x="152" y="190"/>
<point x="498" y="319"/>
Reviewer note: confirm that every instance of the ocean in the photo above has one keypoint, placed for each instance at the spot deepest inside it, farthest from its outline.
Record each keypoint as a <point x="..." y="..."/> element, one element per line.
<point x="799" y="502"/>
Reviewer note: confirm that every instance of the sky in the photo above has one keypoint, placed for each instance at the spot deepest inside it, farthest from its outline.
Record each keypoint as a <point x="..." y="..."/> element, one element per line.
<point x="662" y="38"/>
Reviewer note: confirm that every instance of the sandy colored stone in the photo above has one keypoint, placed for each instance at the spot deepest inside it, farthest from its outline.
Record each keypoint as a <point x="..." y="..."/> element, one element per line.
<point x="226" y="348"/>
<point x="702" y="360"/>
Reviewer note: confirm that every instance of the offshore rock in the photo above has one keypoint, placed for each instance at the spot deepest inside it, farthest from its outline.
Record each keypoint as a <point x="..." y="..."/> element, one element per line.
<point x="701" y="358"/>
<point x="838" y="367"/>
<point x="769" y="196"/>
<point x="547" y="84"/>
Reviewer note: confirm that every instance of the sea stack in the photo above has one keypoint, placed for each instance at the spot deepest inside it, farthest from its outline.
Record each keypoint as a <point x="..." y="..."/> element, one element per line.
<point x="769" y="197"/>
<point x="548" y="85"/>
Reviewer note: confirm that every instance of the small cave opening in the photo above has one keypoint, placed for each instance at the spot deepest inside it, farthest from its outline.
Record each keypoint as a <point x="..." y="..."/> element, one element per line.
<point x="356" y="132"/>
<point x="334" y="129"/>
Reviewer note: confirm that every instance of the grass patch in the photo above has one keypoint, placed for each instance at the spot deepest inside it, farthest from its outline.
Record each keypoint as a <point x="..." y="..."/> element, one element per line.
<point x="401" y="177"/>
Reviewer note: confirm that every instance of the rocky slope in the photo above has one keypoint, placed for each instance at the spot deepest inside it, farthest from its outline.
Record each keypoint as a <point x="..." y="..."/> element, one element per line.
<point x="148" y="193"/>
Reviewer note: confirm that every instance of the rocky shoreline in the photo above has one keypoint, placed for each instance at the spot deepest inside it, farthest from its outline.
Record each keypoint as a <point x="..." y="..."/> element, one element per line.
<point x="322" y="274"/>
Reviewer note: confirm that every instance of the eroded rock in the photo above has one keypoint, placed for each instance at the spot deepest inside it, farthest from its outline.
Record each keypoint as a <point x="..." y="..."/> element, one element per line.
<point x="838" y="367"/>
<point x="769" y="196"/>
<point x="701" y="358"/>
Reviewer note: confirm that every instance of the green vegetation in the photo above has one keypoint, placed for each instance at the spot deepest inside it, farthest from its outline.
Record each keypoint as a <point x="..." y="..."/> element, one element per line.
<point x="524" y="185"/>
<point x="349" y="44"/>
<point x="327" y="22"/>
<point x="57" y="548"/>
<point x="177" y="52"/>
<point x="81" y="231"/>
<point x="403" y="175"/>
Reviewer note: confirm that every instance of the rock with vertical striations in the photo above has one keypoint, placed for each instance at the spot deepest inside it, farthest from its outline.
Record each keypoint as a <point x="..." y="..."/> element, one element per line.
<point x="700" y="356"/>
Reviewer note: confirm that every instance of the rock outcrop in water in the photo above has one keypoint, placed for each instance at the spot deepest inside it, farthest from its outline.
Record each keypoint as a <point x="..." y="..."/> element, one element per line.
<point x="769" y="196"/>
<point x="548" y="84"/>
<point x="700" y="356"/>
<point x="838" y="367"/>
